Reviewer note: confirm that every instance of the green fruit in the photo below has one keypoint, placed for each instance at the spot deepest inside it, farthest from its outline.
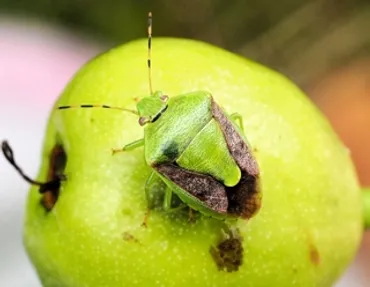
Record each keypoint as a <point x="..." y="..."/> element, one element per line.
<point x="305" y="234"/>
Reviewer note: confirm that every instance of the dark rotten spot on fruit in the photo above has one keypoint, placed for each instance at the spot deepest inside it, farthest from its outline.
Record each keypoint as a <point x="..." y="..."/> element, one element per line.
<point x="245" y="197"/>
<point x="228" y="254"/>
<point x="50" y="190"/>
<point x="205" y="188"/>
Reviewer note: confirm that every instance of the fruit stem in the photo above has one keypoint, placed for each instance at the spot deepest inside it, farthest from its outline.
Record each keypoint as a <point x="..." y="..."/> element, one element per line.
<point x="366" y="195"/>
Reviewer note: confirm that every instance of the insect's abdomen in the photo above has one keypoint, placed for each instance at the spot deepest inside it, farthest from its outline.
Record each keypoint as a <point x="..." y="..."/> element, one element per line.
<point x="168" y="137"/>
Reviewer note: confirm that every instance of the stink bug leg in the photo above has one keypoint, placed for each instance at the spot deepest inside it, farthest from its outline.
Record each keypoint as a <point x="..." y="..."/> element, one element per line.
<point x="160" y="196"/>
<point x="131" y="146"/>
<point x="155" y="190"/>
<point x="168" y="202"/>
<point x="238" y="117"/>
<point x="167" y="199"/>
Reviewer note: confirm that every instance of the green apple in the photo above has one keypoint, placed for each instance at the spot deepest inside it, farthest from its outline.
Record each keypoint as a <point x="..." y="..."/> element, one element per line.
<point x="305" y="234"/>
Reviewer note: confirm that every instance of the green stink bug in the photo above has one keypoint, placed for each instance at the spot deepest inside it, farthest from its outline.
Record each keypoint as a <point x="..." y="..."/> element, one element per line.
<point x="197" y="150"/>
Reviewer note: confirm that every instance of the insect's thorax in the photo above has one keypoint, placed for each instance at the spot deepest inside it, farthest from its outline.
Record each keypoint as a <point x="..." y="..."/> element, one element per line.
<point x="184" y="118"/>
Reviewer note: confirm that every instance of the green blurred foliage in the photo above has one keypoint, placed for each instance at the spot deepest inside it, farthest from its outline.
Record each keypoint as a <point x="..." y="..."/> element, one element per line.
<point x="121" y="21"/>
<point x="302" y="39"/>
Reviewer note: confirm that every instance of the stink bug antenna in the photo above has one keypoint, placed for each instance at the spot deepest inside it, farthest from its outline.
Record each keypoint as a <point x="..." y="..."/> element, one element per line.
<point x="44" y="186"/>
<point x="150" y="23"/>
<point x="96" y="106"/>
<point x="149" y="74"/>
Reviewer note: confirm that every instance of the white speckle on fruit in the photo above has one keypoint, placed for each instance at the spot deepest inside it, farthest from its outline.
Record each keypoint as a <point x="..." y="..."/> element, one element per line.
<point x="164" y="245"/>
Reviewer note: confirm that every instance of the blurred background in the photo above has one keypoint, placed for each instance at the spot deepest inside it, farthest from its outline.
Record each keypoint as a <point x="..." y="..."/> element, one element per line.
<point x="322" y="45"/>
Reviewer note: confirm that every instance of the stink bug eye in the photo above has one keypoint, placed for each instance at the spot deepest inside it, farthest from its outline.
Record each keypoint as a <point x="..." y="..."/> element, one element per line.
<point x="164" y="98"/>
<point x="195" y="149"/>
<point x="144" y="120"/>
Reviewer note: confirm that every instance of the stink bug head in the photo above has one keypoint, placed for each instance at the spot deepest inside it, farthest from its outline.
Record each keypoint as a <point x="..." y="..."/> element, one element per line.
<point x="150" y="108"/>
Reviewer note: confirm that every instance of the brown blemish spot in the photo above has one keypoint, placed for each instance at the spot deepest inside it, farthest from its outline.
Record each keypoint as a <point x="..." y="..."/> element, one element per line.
<point x="203" y="187"/>
<point x="129" y="237"/>
<point x="57" y="163"/>
<point x="244" y="198"/>
<point x="228" y="254"/>
<point x="146" y="218"/>
<point x="314" y="254"/>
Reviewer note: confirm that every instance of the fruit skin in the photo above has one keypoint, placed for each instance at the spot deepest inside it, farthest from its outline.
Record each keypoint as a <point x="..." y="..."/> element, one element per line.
<point x="305" y="234"/>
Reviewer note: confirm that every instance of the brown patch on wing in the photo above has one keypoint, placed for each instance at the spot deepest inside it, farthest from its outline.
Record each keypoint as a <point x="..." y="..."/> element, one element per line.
<point x="228" y="254"/>
<point x="237" y="146"/>
<point x="57" y="164"/>
<point x="245" y="197"/>
<point x="205" y="188"/>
